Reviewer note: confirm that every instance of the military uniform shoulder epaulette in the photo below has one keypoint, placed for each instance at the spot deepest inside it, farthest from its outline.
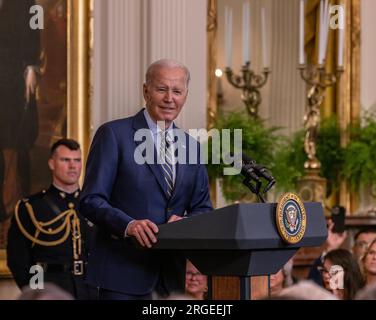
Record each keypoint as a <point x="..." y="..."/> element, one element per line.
<point x="33" y="197"/>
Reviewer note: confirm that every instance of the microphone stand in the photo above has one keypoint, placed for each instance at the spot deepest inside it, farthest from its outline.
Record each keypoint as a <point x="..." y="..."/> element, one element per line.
<point x="254" y="172"/>
<point x="251" y="172"/>
<point x="255" y="190"/>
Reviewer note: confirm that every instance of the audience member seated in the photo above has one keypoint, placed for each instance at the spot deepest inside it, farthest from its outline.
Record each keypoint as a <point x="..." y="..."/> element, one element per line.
<point x="196" y="283"/>
<point x="362" y="239"/>
<point x="369" y="264"/>
<point x="49" y="292"/>
<point x="333" y="241"/>
<point x="343" y="283"/>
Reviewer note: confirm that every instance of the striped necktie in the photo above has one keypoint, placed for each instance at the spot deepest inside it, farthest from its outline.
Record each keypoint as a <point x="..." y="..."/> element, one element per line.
<point x="167" y="161"/>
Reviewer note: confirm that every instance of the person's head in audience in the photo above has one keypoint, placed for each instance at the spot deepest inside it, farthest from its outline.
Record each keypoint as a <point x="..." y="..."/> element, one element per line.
<point x="362" y="240"/>
<point x="369" y="263"/>
<point x="276" y="282"/>
<point x="281" y="279"/>
<point x="304" y="290"/>
<point x="196" y="283"/>
<point x="341" y="274"/>
<point x="49" y="292"/>
<point x="65" y="163"/>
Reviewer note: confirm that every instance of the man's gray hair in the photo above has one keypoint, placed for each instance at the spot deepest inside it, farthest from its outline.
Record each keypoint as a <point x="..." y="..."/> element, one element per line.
<point x="166" y="63"/>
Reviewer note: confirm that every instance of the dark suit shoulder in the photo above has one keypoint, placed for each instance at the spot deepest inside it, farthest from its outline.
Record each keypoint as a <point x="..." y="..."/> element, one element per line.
<point x="116" y="124"/>
<point x="116" y="128"/>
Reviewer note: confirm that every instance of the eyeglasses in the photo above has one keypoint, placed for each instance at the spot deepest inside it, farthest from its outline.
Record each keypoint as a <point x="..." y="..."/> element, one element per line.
<point x="322" y="270"/>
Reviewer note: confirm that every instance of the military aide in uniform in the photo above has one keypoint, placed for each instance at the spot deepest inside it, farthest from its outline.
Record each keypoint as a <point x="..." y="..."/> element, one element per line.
<point x="48" y="231"/>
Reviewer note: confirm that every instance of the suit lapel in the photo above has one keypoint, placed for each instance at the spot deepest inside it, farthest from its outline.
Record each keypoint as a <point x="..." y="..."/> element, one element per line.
<point x="139" y="122"/>
<point x="180" y="170"/>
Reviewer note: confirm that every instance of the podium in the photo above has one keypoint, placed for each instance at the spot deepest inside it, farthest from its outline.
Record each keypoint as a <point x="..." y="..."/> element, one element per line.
<point x="239" y="240"/>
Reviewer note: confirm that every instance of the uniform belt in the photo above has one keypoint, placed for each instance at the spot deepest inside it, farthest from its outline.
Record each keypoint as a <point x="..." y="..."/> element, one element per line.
<point x="77" y="268"/>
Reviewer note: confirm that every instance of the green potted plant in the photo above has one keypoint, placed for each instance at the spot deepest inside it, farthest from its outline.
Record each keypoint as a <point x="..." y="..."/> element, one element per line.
<point x="290" y="158"/>
<point x="330" y="153"/>
<point x="283" y="156"/>
<point x="288" y="164"/>
<point x="360" y="154"/>
<point x="258" y="141"/>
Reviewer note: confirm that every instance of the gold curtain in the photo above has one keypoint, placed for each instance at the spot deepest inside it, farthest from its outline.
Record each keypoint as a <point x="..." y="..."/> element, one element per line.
<point x="211" y="113"/>
<point x="348" y="94"/>
<point x="211" y="61"/>
<point x="312" y="25"/>
<point x="342" y="100"/>
<point x="80" y="47"/>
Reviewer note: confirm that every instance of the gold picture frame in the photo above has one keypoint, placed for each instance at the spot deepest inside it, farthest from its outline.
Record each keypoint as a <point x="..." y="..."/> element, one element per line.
<point x="79" y="53"/>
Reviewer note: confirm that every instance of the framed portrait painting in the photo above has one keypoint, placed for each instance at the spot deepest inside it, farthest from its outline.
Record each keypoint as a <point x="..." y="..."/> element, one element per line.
<point x="44" y="93"/>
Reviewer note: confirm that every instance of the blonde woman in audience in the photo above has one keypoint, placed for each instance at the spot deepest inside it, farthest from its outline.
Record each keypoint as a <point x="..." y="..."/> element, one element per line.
<point x="196" y="283"/>
<point x="369" y="264"/>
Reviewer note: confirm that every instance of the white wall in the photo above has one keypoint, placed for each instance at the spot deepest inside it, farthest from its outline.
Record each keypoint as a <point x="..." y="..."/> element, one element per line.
<point x="128" y="36"/>
<point x="116" y="59"/>
<point x="284" y="94"/>
<point x="367" y="79"/>
<point x="368" y="55"/>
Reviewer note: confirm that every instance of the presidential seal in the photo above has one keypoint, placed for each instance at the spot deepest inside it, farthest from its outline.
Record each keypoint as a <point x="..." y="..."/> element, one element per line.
<point x="291" y="218"/>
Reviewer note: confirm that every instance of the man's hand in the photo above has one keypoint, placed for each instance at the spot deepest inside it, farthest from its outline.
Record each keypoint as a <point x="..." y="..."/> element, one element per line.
<point x="143" y="231"/>
<point x="173" y="218"/>
<point x="334" y="240"/>
<point x="31" y="82"/>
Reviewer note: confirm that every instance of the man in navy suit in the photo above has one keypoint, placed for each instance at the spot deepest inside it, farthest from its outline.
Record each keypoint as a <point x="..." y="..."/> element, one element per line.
<point x="127" y="199"/>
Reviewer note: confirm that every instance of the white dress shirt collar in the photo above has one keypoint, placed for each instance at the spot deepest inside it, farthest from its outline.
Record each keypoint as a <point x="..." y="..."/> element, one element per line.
<point x="153" y="125"/>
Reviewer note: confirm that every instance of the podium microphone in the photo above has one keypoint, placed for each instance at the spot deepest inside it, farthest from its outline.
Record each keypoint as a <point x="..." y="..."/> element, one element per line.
<point x="260" y="171"/>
